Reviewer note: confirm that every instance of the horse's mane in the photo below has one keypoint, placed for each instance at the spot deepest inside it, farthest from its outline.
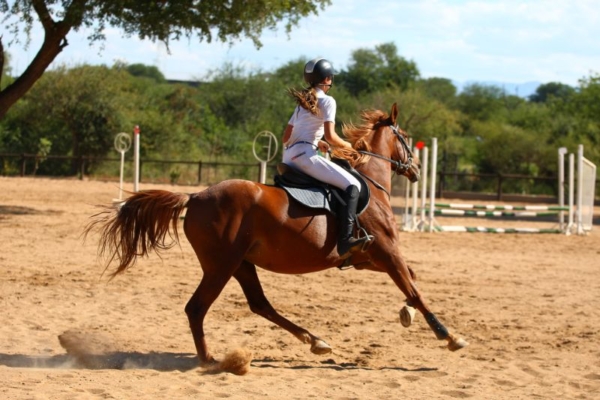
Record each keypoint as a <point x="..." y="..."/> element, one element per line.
<point x="358" y="136"/>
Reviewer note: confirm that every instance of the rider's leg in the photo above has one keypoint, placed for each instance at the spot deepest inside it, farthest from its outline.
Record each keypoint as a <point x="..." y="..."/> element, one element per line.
<point x="346" y="220"/>
<point x="306" y="159"/>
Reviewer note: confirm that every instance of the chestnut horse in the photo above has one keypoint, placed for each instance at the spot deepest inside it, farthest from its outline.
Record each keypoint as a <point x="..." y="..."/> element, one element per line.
<point x="237" y="225"/>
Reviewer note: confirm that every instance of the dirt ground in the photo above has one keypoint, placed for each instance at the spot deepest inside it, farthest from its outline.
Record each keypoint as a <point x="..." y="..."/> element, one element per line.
<point x="527" y="303"/>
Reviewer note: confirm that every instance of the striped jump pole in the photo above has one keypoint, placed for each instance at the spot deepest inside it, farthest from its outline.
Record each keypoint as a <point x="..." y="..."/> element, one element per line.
<point x="480" y="213"/>
<point x="428" y="211"/>
<point x="481" y="229"/>
<point x="495" y="207"/>
<point x="496" y="211"/>
<point x="419" y="216"/>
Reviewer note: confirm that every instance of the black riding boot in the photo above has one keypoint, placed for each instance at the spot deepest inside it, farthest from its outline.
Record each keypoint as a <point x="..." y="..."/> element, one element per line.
<point x="346" y="219"/>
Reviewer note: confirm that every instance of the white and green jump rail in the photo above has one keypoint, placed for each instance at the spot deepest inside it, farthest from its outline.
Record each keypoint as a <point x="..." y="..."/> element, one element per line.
<point x="419" y="216"/>
<point x="491" y="211"/>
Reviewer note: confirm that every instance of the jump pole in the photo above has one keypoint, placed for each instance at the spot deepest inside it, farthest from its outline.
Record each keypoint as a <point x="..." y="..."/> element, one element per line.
<point x="571" y="192"/>
<point x="503" y="207"/>
<point x="480" y="229"/>
<point x="561" y="208"/>
<point x="480" y="213"/>
<point x="415" y="193"/>
<point x="405" y="216"/>
<point x="580" y="230"/>
<point x="424" y="170"/>
<point x="433" y="179"/>
<point x="136" y="158"/>
<point x="561" y="185"/>
<point x="406" y="221"/>
<point x="414" y="219"/>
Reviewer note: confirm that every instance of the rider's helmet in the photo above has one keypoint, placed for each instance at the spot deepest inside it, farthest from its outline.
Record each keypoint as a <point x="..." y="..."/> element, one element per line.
<point x="316" y="70"/>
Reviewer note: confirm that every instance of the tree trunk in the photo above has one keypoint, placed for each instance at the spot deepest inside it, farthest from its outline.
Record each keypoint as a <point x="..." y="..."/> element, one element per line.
<point x="54" y="41"/>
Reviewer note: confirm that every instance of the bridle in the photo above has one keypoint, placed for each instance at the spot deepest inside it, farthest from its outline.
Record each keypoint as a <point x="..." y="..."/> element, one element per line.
<point x="398" y="166"/>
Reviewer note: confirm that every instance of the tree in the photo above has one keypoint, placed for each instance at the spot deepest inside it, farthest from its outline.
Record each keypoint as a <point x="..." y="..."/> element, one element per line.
<point x="585" y="106"/>
<point x="440" y="89"/>
<point x="5" y="78"/>
<point x="290" y="74"/>
<point x="150" y="19"/>
<point x="147" y="71"/>
<point x="481" y="102"/>
<point x="250" y="102"/>
<point x="552" y="90"/>
<point x="77" y="110"/>
<point x="372" y="70"/>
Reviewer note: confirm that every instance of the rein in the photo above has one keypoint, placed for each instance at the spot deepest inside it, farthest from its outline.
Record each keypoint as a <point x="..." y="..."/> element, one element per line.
<point x="398" y="166"/>
<point x="375" y="183"/>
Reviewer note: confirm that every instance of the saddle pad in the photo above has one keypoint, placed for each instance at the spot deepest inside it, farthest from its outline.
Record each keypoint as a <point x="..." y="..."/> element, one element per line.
<point x="314" y="197"/>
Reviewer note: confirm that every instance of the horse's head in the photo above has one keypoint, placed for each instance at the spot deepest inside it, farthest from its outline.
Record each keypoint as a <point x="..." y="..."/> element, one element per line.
<point x="379" y="136"/>
<point x="402" y="159"/>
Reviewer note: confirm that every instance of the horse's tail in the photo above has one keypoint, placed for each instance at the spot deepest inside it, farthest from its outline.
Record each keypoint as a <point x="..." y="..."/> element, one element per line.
<point x="139" y="225"/>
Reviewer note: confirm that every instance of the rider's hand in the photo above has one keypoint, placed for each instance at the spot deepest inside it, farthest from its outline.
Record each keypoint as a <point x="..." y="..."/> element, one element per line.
<point x="323" y="146"/>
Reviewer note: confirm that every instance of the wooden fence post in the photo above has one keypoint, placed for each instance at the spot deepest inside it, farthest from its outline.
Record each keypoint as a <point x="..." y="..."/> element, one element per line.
<point x="199" y="171"/>
<point x="81" y="167"/>
<point x="23" y="164"/>
<point x="499" y="194"/>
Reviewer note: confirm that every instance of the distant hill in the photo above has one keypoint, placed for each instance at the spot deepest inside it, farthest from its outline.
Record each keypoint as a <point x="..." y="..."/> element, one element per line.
<point x="518" y="89"/>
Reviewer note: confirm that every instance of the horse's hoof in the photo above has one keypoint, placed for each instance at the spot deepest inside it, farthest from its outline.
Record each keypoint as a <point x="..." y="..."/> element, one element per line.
<point x="456" y="344"/>
<point x="407" y="316"/>
<point x="320" y="347"/>
<point x="208" y="362"/>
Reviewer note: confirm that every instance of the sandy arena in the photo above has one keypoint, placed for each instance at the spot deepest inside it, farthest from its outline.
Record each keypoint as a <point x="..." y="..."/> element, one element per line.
<point x="528" y="305"/>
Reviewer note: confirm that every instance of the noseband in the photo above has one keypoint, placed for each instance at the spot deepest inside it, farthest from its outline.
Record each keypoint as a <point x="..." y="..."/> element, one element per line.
<point x="398" y="166"/>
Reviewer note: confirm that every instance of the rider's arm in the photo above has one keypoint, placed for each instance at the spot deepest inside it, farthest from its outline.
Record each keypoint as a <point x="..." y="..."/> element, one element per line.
<point x="333" y="138"/>
<point x="287" y="133"/>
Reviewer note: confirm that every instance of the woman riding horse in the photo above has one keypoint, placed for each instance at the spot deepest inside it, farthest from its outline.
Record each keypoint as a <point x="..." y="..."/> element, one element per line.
<point x="237" y="225"/>
<point x="313" y="118"/>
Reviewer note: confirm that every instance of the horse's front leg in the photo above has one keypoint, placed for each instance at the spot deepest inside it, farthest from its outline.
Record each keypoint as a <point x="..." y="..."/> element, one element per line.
<point x="407" y="312"/>
<point x="398" y="270"/>
<point x="248" y="280"/>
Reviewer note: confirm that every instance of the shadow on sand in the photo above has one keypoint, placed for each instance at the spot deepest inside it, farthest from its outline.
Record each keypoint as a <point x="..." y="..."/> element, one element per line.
<point x="167" y="362"/>
<point x="329" y="364"/>
<point x="116" y="360"/>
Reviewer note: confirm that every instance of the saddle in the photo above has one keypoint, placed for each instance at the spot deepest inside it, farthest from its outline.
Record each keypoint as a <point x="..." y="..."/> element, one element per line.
<point x="316" y="194"/>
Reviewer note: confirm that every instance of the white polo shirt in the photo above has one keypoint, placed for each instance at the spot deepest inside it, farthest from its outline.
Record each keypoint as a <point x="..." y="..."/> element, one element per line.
<point x="308" y="127"/>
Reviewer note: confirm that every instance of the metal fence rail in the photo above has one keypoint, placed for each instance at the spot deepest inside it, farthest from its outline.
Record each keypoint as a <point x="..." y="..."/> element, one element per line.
<point x="151" y="170"/>
<point x="501" y="187"/>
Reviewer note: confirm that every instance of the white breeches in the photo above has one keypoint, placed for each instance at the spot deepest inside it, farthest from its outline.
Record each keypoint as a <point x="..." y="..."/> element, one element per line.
<point x="305" y="158"/>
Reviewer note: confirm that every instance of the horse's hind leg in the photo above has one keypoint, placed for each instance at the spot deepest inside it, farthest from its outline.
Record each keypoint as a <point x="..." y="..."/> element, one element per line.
<point x="248" y="280"/>
<point x="210" y="287"/>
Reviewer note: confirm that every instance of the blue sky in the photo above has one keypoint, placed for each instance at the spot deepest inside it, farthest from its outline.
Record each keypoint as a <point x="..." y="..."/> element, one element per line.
<point x="485" y="41"/>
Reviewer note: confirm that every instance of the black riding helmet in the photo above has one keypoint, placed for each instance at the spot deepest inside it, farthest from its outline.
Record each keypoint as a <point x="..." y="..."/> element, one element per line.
<point x="316" y="70"/>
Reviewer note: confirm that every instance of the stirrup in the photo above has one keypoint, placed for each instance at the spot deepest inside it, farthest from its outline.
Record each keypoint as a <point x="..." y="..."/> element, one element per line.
<point x="368" y="238"/>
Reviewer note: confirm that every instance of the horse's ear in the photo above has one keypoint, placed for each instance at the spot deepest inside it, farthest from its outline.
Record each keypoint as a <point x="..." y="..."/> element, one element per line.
<point x="394" y="114"/>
